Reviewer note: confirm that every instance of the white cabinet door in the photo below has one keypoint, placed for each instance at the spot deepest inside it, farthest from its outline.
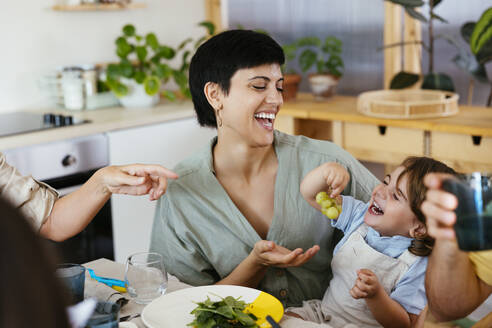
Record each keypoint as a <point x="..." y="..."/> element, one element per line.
<point x="166" y="144"/>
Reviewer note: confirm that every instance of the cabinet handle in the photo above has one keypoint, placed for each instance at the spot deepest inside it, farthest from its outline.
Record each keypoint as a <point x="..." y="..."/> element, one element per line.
<point x="476" y="140"/>
<point x="382" y="129"/>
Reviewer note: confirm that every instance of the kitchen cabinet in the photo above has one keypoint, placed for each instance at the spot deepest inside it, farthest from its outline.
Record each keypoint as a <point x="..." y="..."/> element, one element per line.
<point x="167" y="144"/>
<point x="463" y="141"/>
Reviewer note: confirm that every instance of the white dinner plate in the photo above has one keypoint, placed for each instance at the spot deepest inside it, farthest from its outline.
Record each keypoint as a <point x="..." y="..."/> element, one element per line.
<point x="173" y="309"/>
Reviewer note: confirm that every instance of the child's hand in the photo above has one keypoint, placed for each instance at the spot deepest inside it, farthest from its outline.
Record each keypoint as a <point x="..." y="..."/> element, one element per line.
<point x="336" y="178"/>
<point x="366" y="285"/>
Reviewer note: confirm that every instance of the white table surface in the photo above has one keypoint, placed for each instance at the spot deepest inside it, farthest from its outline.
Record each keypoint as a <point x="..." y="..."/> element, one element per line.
<point x="107" y="268"/>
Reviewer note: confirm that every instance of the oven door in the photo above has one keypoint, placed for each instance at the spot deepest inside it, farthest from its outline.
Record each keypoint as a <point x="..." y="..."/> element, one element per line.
<point x="96" y="240"/>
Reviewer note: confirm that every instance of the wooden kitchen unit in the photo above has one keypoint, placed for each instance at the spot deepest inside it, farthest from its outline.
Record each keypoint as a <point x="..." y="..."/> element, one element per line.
<point x="463" y="141"/>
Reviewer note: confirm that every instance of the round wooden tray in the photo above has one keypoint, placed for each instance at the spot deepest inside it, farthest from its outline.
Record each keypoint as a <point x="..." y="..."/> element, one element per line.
<point x="408" y="104"/>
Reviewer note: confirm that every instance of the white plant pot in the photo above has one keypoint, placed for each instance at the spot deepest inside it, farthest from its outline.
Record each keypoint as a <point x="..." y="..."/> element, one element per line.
<point x="137" y="97"/>
<point x="323" y="85"/>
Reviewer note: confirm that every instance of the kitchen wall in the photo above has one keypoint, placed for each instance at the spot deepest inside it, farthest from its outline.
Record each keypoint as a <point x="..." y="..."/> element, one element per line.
<point x="36" y="39"/>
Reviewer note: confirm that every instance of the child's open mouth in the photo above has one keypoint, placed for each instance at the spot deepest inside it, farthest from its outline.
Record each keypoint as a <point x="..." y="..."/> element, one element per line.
<point x="375" y="209"/>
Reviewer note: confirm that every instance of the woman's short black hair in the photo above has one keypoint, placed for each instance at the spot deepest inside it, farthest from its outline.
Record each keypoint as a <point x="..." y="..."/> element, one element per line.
<point x="220" y="57"/>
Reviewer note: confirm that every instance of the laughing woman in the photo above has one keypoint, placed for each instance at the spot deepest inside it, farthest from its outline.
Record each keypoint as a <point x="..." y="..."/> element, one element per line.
<point x="233" y="215"/>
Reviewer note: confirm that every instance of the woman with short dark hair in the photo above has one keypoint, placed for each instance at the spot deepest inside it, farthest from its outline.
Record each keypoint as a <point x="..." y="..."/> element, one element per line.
<point x="233" y="215"/>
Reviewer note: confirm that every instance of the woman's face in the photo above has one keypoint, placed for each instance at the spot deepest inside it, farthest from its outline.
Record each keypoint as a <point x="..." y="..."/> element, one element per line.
<point x="254" y="99"/>
<point x="389" y="211"/>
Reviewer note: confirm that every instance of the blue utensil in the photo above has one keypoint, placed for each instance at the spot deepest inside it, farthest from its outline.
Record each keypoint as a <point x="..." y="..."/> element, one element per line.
<point x="116" y="284"/>
<point x="272" y="322"/>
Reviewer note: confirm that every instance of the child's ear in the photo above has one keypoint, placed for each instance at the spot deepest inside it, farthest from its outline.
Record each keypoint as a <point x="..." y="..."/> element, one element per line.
<point x="418" y="230"/>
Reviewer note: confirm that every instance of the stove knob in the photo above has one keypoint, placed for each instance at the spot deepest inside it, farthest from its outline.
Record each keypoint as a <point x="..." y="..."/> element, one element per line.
<point x="59" y="120"/>
<point x="48" y="118"/>
<point x="69" y="160"/>
<point x="68" y="120"/>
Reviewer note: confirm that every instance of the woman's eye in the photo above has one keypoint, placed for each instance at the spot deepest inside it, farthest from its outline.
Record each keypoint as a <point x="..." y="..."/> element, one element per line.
<point x="259" y="87"/>
<point x="385" y="182"/>
<point x="280" y="89"/>
<point x="395" y="196"/>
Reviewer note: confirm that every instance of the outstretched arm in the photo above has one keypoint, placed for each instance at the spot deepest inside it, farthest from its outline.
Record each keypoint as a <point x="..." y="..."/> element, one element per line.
<point x="450" y="274"/>
<point x="252" y="269"/>
<point x="72" y="213"/>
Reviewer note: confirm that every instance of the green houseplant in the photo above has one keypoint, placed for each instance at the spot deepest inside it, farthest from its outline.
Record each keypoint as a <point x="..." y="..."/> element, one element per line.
<point x="143" y="66"/>
<point x="326" y="57"/>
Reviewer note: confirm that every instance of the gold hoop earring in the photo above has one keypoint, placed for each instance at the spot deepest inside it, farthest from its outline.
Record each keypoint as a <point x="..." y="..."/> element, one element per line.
<point x="219" y="119"/>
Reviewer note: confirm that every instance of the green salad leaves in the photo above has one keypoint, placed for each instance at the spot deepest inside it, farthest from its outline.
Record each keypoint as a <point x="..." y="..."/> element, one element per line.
<point x="226" y="313"/>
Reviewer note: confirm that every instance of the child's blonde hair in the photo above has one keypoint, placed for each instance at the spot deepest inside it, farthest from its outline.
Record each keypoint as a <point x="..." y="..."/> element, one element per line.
<point x="415" y="168"/>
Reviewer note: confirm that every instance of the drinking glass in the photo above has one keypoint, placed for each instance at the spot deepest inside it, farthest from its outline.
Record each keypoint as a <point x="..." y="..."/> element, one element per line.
<point x="106" y="315"/>
<point x="73" y="278"/>
<point x="145" y="277"/>
<point x="474" y="212"/>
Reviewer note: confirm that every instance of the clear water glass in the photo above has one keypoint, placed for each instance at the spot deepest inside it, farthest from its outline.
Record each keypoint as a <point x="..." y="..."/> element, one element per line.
<point x="145" y="277"/>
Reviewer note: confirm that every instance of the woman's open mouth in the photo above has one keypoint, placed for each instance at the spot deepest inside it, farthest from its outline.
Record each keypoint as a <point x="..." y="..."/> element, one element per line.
<point x="375" y="209"/>
<point x="265" y="119"/>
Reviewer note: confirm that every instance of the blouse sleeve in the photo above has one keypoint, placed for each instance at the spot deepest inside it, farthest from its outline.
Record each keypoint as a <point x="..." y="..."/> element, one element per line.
<point x="34" y="199"/>
<point x="182" y="257"/>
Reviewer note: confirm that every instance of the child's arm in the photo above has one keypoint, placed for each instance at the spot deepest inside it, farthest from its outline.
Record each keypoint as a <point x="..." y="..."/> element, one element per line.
<point x="330" y="177"/>
<point x="388" y="312"/>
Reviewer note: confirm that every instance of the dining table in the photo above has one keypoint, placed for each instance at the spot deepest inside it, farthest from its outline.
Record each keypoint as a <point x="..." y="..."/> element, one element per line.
<point x="108" y="268"/>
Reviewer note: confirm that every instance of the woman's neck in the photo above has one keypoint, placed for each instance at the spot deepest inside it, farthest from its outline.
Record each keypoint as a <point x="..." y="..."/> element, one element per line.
<point x="233" y="157"/>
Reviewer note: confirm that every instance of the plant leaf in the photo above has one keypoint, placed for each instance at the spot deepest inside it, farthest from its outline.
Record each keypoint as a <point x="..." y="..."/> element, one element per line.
<point x="290" y="51"/>
<point x="484" y="55"/>
<point x="151" y="41"/>
<point x="184" y="43"/>
<point x="200" y="41"/>
<point x="408" y="3"/>
<point x="332" y="46"/>
<point x="262" y="31"/>
<point x="307" y="59"/>
<point x="436" y="16"/>
<point x="415" y="14"/>
<point x="435" y="3"/>
<point x="139" y="77"/>
<point x="141" y="53"/>
<point x="482" y="31"/>
<point x="309" y="41"/>
<point x="126" y="69"/>
<point x="438" y="81"/>
<point x="466" y="31"/>
<point x="180" y="78"/>
<point x="152" y="85"/>
<point x="118" y="88"/>
<point x="209" y="26"/>
<point x="113" y="71"/>
<point x="169" y="95"/>
<point x="403" y="80"/>
<point x="163" y="71"/>
<point x="129" y="30"/>
<point x="166" y="52"/>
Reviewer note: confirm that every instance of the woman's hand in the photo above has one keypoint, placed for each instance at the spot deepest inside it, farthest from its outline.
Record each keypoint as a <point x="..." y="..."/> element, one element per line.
<point x="135" y="179"/>
<point x="366" y="285"/>
<point x="267" y="253"/>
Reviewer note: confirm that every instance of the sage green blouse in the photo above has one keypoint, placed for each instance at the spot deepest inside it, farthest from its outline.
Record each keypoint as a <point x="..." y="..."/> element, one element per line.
<point x="203" y="236"/>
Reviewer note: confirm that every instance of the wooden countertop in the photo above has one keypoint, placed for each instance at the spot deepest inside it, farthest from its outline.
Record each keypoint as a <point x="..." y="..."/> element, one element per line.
<point x="102" y="120"/>
<point x="471" y="120"/>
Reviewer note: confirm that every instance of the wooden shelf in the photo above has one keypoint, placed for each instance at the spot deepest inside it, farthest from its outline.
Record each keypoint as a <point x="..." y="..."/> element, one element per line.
<point x="98" y="6"/>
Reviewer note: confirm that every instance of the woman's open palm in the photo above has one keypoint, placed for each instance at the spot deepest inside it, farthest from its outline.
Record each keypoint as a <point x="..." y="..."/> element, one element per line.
<point x="270" y="254"/>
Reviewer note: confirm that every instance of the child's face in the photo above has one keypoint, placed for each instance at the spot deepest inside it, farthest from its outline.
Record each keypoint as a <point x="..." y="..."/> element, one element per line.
<point x="389" y="211"/>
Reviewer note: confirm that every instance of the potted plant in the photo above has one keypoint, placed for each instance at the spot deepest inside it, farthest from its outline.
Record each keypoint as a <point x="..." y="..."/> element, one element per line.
<point x="291" y="77"/>
<point x="185" y="50"/>
<point x="329" y="64"/>
<point x="136" y="79"/>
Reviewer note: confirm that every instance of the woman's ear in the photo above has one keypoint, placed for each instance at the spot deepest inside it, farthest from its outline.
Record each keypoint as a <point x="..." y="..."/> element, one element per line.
<point x="419" y="230"/>
<point x="214" y="95"/>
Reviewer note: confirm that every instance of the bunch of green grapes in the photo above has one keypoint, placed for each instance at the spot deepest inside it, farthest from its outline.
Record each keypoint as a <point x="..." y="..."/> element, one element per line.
<point x="328" y="205"/>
